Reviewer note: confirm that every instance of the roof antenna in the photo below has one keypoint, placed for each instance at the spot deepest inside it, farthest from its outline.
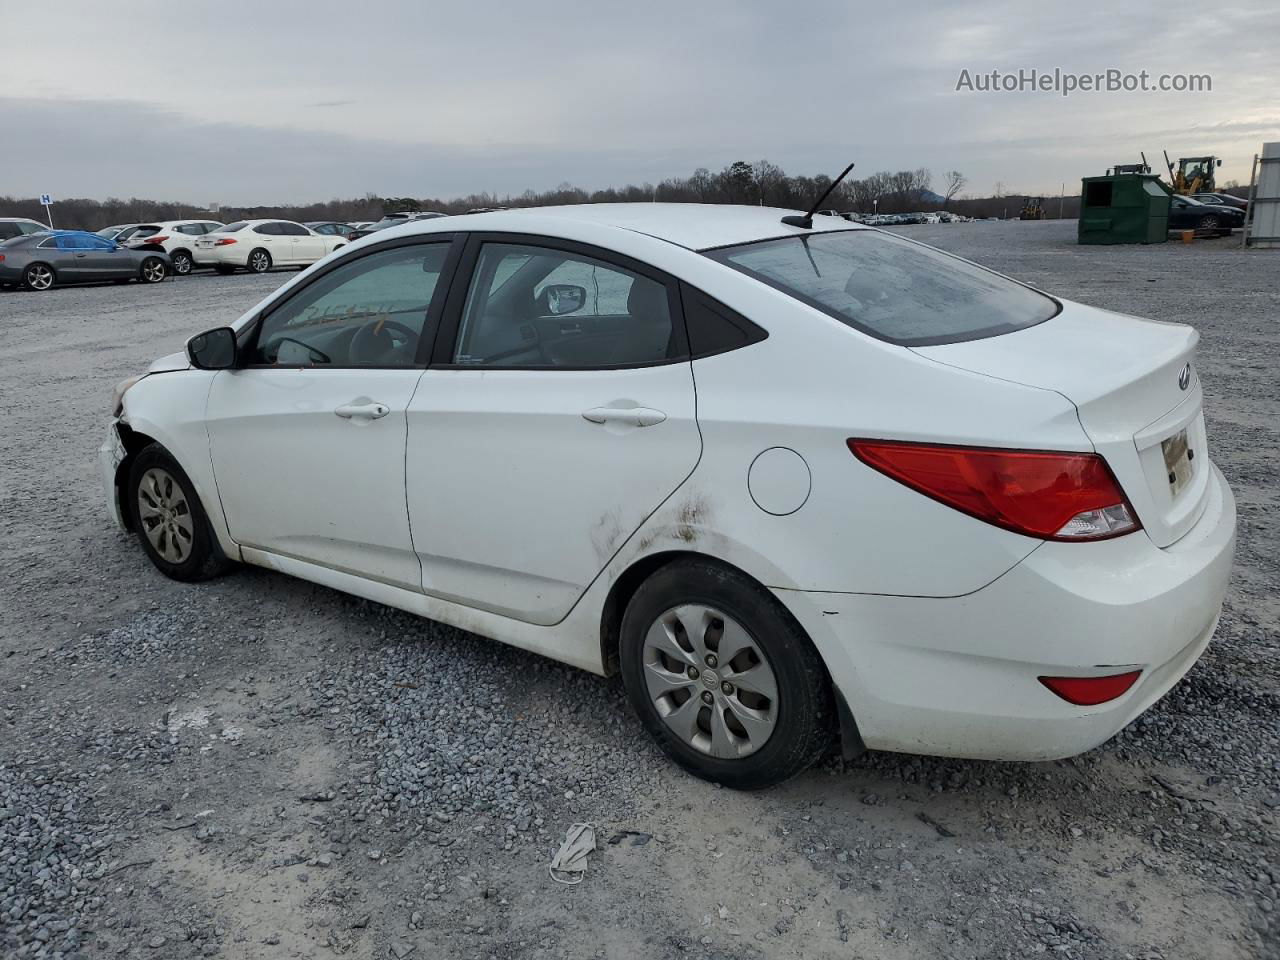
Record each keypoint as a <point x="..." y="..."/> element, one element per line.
<point x="791" y="220"/>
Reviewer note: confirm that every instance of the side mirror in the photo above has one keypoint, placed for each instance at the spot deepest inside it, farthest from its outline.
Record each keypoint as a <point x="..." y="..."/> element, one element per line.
<point x="213" y="350"/>
<point x="560" y="298"/>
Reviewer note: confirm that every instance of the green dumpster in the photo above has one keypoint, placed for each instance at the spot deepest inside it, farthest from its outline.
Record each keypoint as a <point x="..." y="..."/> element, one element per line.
<point x="1124" y="208"/>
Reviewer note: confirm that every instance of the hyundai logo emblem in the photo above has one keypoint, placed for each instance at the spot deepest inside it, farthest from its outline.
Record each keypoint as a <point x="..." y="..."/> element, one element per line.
<point x="1184" y="376"/>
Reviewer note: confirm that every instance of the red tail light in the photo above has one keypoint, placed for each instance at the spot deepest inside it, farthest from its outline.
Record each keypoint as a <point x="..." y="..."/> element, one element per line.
<point x="1052" y="496"/>
<point x="1" y="256"/>
<point x="1091" y="691"/>
<point x="223" y="241"/>
<point x="160" y="239"/>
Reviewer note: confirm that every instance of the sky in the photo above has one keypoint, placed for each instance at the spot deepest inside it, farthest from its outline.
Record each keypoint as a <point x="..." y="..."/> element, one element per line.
<point x="304" y="100"/>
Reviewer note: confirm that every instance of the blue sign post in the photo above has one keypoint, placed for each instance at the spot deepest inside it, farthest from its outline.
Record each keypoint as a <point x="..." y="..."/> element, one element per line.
<point x="47" y="202"/>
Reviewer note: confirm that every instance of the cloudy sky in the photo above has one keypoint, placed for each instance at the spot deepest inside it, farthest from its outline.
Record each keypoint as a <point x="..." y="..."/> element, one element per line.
<point x="297" y="100"/>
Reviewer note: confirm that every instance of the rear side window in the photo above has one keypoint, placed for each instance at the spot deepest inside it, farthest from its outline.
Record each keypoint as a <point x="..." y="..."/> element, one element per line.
<point x="9" y="230"/>
<point x="713" y="327"/>
<point x="890" y="288"/>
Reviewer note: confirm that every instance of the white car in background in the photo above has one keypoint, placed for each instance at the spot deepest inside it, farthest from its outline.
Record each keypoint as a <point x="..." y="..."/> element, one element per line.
<point x="260" y="245"/>
<point x="177" y="238"/>
<point x="792" y="479"/>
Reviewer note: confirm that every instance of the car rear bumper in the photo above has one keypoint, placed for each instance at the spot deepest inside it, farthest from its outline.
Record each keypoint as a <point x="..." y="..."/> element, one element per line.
<point x="211" y="256"/>
<point x="958" y="676"/>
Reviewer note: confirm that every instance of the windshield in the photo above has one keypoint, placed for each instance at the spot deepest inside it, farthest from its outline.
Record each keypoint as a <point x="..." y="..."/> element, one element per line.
<point x="892" y="289"/>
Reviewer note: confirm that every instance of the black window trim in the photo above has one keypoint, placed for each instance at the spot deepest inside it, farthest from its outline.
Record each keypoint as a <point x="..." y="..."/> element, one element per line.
<point x="754" y="332"/>
<point x="248" y="341"/>
<point x="982" y="334"/>
<point x="447" y="338"/>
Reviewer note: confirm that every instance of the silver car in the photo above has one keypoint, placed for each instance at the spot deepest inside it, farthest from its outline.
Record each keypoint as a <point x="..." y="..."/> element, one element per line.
<point x="45" y="260"/>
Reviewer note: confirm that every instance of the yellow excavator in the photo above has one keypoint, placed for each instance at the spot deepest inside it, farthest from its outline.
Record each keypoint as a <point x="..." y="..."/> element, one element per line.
<point x="1032" y="209"/>
<point x="1193" y="174"/>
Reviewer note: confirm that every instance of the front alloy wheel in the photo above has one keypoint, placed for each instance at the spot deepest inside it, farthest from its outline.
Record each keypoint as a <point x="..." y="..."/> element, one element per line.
<point x="164" y="515"/>
<point x="259" y="261"/>
<point x="168" y="518"/>
<point x="38" y="277"/>
<point x="182" y="263"/>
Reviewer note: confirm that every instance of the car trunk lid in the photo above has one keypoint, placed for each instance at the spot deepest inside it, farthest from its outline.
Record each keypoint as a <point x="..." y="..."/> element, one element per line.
<point x="1137" y="395"/>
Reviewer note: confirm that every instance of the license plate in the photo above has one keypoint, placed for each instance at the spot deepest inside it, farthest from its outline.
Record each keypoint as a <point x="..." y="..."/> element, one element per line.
<point x="1178" y="460"/>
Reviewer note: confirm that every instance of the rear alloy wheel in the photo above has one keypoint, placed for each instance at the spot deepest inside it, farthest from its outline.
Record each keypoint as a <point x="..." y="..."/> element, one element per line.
<point x="259" y="261"/>
<point x="723" y="677"/>
<point x="1209" y="224"/>
<point x="182" y="263"/>
<point x="38" y="276"/>
<point x="153" y="270"/>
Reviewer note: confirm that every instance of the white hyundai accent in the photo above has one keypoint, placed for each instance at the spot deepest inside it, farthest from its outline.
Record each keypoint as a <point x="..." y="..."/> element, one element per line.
<point x="260" y="245"/>
<point x="793" y="483"/>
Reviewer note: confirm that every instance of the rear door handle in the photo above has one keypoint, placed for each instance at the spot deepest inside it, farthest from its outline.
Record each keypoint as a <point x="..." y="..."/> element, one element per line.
<point x="632" y="416"/>
<point x="362" y="411"/>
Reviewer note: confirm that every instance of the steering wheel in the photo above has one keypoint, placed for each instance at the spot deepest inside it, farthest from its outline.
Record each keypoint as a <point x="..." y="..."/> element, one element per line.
<point x="380" y="336"/>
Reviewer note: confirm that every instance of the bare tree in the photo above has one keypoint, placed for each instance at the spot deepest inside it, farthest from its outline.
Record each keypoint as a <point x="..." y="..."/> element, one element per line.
<point x="955" y="183"/>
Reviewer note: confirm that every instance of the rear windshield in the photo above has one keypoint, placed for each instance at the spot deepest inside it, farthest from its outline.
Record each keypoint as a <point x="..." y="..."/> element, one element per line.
<point x="891" y="288"/>
<point x="147" y="231"/>
<point x="232" y="227"/>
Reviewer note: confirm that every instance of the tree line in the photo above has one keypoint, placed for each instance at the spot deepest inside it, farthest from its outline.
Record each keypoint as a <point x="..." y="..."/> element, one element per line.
<point x="762" y="182"/>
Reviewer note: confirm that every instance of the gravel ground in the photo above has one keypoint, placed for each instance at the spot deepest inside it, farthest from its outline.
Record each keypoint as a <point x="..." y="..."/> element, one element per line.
<point x="258" y="767"/>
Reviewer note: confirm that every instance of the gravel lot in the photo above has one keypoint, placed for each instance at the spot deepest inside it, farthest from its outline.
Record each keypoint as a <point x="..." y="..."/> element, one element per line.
<point x="257" y="767"/>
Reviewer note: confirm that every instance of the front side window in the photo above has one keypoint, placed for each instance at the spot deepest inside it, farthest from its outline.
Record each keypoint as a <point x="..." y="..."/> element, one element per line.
<point x="30" y="227"/>
<point x="890" y="288"/>
<point x="369" y="312"/>
<point x="532" y="306"/>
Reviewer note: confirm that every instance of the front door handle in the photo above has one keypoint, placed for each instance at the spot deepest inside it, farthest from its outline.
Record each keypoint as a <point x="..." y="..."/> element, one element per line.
<point x="362" y="411"/>
<point x="632" y="416"/>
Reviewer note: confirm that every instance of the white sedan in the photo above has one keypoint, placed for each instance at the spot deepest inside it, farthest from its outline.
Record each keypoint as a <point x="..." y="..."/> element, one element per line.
<point x="793" y="483"/>
<point x="260" y="245"/>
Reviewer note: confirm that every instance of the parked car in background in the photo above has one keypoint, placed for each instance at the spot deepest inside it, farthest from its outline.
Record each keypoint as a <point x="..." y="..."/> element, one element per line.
<point x="331" y="228"/>
<point x="1186" y="213"/>
<point x="492" y="421"/>
<point x="177" y="238"/>
<point x="1224" y="199"/>
<point x="393" y="220"/>
<point x="20" y="227"/>
<point x="44" y="260"/>
<point x="259" y="245"/>
<point x="123" y="231"/>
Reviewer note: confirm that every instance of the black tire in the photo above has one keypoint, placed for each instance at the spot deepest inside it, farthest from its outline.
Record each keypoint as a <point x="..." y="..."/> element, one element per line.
<point x="806" y="714"/>
<point x="39" y="277"/>
<point x="225" y="269"/>
<point x="259" y="261"/>
<point x="153" y="270"/>
<point x="203" y="558"/>
<point x="183" y="262"/>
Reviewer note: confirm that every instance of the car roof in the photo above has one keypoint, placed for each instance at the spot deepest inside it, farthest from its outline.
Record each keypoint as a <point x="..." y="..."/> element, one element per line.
<point x="18" y="220"/>
<point x="696" y="226"/>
